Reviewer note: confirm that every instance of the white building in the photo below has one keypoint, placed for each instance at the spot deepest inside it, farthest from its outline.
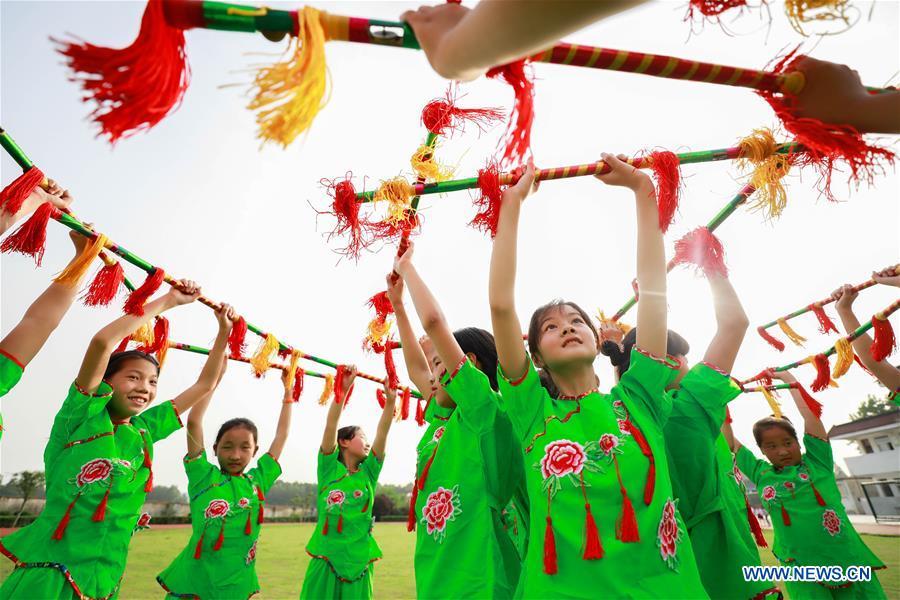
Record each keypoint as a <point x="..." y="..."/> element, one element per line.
<point x="872" y="484"/>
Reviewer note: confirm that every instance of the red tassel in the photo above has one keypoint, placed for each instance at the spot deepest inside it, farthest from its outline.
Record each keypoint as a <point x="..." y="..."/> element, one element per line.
<point x="775" y="343"/>
<point x="298" y="384"/>
<point x="488" y="203"/>
<point x="134" y="305"/>
<point x="626" y="527"/>
<point x="345" y="209"/>
<point x="160" y="336"/>
<point x="64" y="522"/>
<point x="712" y="8"/>
<point x="137" y="86"/>
<point x="148" y="487"/>
<point x="811" y="403"/>
<point x="261" y="513"/>
<point x="703" y="250"/>
<point x="389" y="366"/>
<point x="420" y="413"/>
<point x="236" y="345"/>
<point x="518" y="133"/>
<point x="31" y="236"/>
<point x="641" y="441"/>
<point x="728" y="416"/>
<point x="550" y="567"/>
<point x="219" y="540"/>
<point x="198" y="549"/>
<point x="785" y="517"/>
<point x="13" y="196"/>
<point x="122" y="345"/>
<point x="423" y="477"/>
<point x="443" y="117"/>
<point x="391" y="230"/>
<point x="411" y="513"/>
<point x="148" y="462"/>
<point x="885" y="343"/>
<point x="755" y="529"/>
<point x="764" y="376"/>
<point x="100" y="512"/>
<point x="379" y="395"/>
<point x="341" y="523"/>
<point x="338" y="383"/>
<point x="593" y="549"/>
<point x="819" y="497"/>
<point x="105" y="286"/>
<point x="404" y="403"/>
<point x="823" y="373"/>
<point x="825" y="323"/>
<point x="325" y="527"/>
<point x="667" y="173"/>
<point x="366" y="506"/>
<point x="248" y="526"/>
<point x="862" y="366"/>
<point x="381" y="304"/>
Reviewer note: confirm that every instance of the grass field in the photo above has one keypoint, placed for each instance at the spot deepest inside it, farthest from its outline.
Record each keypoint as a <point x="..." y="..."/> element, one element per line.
<point x="281" y="561"/>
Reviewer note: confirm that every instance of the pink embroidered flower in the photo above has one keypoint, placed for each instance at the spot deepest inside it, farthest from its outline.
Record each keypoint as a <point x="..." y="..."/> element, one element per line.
<point x="624" y="429"/>
<point x="217" y="509"/>
<point x="831" y="522"/>
<point x="357" y="494"/>
<point x="144" y="521"/>
<point x="562" y="457"/>
<point x="803" y="476"/>
<point x="618" y="403"/>
<point x="438" y="434"/>
<point x="608" y="443"/>
<point x="98" y="469"/>
<point x="244" y="502"/>
<point x="335" y="497"/>
<point x="251" y="554"/>
<point x="789" y="485"/>
<point x="768" y="493"/>
<point x="668" y="535"/>
<point x="440" y="507"/>
<point x="738" y="476"/>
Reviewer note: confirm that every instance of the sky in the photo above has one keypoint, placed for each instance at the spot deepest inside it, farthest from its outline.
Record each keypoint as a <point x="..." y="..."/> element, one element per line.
<point x="199" y="196"/>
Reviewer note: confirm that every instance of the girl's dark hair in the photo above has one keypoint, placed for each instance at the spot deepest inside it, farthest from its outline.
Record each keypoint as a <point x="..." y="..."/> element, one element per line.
<point x="238" y="423"/>
<point x="535" y="333"/>
<point x="772" y="422"/>
<point x="117" y="361"/>
<point x="481" y="343"/>
<point x="346" y="433"/>
<point x="620" y="356"/>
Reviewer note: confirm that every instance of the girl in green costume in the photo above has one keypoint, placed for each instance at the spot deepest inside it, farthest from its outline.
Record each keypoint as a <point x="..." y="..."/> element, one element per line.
<point x="98" y="464"/>
<point x="342" y="547"/>
<point x="227" y="504"/>
<point x="470" y="468"/>
<point x="598" y="482"/>
<point x="711" y="501"/>
<point x="800" y="492"/>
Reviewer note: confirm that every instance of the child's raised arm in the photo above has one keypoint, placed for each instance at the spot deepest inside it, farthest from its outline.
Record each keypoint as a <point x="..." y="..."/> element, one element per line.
<point x="728" y="433"/>
<point x="210" y="374"/>
<point x="811" y="423"/>
<point x="195" y="442"/>
<point x="284" y="417"/>
<point x="731" y="324"/>
<point x="329" y="436"/>
<point x="384" y="423"/>
<point x="416" y="362"/>
<point x="105" y="341"/>
<point x="54" y="194"/>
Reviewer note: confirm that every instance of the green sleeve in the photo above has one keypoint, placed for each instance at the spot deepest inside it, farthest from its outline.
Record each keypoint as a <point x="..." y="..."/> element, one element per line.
<point x="818" y="452"/>
<point x="10" y="372"/>
<point x="371" y="466"/>
<point x="199" y="472"/>
<point x="327" y="467"/>
<point x="646" y="381"/>
<point x="159" y="421"/>
<point x="749" y="464"/>
<point x="266" y="471"/>
<point x="475" y="400"/>
<point x="700" y="401"/>
<point x="524" y="400"/>
<point x="895" y="397"/>
<point x="77" y="408"/>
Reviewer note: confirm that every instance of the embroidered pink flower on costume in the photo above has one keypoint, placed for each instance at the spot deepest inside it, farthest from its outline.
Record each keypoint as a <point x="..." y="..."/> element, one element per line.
<point x="618" y="403"/>
<point x="357" y="494"/>
<point x="251" y="554"/>
<point x="98" y="469"/>
<point x="768" y="493"/>
<point x="335" y="497"/>
<point x="244" y="502"/>
<point x="562" y="457"/>
<point x="438" y="434"/>
<point x="624" y="429"/>
<point x="217" y="509"/>
<point x="441" y="507"/>
<point x="789" y="485"/>
<point x="668" y="535"/>
<point x="144" y="521"/>
<point x="738" y="476"/>
<point x="803" y="476"/>
<point x="831" y="522"/>
<point x="608" y="443"/>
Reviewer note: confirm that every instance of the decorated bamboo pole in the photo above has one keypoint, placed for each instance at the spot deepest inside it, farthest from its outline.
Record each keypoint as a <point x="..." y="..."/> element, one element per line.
<point x="779" y="386"/>
<point x="430" y="142"/>
<point x="590" y="169"/>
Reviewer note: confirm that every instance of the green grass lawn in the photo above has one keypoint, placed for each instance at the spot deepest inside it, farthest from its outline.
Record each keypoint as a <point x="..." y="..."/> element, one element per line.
<point x="281" y="561"/>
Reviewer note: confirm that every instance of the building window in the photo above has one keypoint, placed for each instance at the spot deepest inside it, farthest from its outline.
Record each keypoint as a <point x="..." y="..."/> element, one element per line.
<point x="865" y="446"/>
<point x="886" y="488"/>
<point x="883" y="443"/>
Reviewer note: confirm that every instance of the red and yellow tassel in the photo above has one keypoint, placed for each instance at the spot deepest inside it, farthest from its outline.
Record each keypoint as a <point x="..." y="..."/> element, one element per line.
<point x="74" y="272"/>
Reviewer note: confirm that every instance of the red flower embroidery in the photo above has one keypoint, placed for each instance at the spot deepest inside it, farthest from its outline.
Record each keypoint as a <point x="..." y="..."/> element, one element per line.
<point x="668" y="536"/>
<point x="789" y="485"/>
<point x="831" y="522"/>
<point x="144" y="521"/>
<point x="335" y="497"/>
<point x="251" y="554"/>
<point x="618" y="403"/>
<point x="608" y="443"/>
<point x="623" y="427"/>
<point x="562" y="457"/>
<point x="803" y="476"/>
<point x="357" y="494"/>
<point x="768" y="493"/>
<point x="440" y="507"/>
<point x="738" y="476"/>
<point x="217" y="509"/>
<point x="98" y="469"/>
<point x="438" y="434"/>
<point x="244" y="502"/>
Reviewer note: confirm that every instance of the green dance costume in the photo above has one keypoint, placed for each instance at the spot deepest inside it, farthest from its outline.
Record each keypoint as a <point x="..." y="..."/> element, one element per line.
<point x="98" y="475"/>
<point x="226" y="514"/>
<point x="811" y="527"/>
<point x="10" y="374"/>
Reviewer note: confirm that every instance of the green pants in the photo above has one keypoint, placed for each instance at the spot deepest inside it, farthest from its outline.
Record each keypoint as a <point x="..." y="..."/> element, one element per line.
<point x="37" y="584"/>
<point x="321" y="583"/>
<point x="868" y="590"/>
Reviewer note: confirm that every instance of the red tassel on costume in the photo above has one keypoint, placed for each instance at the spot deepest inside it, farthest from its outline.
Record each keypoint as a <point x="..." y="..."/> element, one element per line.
<point x="31" y="236"/>
<point x="825" y="323"/>
<point x="641" y="441"/>
<point x="667" y="173"/>
<point x="811" y="403"/>
<point x="411" y="513"/>
<point x="236" y="337"/>
<point x="703" y="250"/>
<point x="518" y="134"/>
<point x="404" y="403"/>
<point x="137" y="86"/>
<point x="823" y="373"/>
<point x="248" y="526"/>
<point x="341" y="523"/>
<point x="774" y="342"/>
<point x="755" y="529"/>
<point x="198" y="549"/>
<point x="298" y="384"/>
<point x="593" y="549"/>
<point x="148" y="487"/>
<point x="134" y="305"/>
<point x="785" y="517"/>
<point x="379" y="395"/>
<point x="64" y="522"/>
<point x="122" y="345"/>
<point x="420" y="413"/>
<point x="261" y="513"/>
<point x="423" y="477"/>
<point x="885" y="343"/>
<point x="488" y="204"/>
<point x="345" y="209"/>
<point x="443" y="117"/>
<point x="100" y="512"/>
<point x="819" y="497"/>
<point x="626" y="526"/>
<point x="550" y="566"/>
<point x="13" y="196"/>
<point x="219" y="540"/>
<point x="148" y="462"/>
<point x="366" y="505"/>
<point x="727" y="416"/>
<point x="325" y="527"/>
<point x="105" y="286"/>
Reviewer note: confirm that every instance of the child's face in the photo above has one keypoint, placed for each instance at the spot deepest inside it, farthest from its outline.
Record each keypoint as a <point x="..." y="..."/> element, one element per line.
<point x="235" y="449"/>
<point x="566" y="338"/>
<point x="780" y="447"/>
<point x="437" y="370"/>
<point x="134" y="388"/>
<point x="357" y="449"/>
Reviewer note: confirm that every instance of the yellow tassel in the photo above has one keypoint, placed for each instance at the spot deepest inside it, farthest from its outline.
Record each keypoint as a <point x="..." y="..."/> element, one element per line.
<point x="378" y="329"/>
<point x="806" y="11"/>
<point x="790" y="333"/>
<point x="773" y="403"/>
<point x="326" y="391"/>
<point x="143" y="335"/>
<point x="73" y="273"/>
<point x="290" y="93"/>
<point x="397" y="193"/>
<point x="292" y="370"/>
<point x="604" y="320"/>
<point x="845" y="355"/>
<point x="424" y="165"/>
<point x="261" y="359"/>
<point x="833" y="384"/>
<point x="758" y="153"/>
<point x="161" y="355"/>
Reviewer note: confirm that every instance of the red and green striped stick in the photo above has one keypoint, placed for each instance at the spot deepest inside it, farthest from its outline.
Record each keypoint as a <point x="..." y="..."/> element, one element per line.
<point x="595" y="168"/>
<point x="771" y="388"/>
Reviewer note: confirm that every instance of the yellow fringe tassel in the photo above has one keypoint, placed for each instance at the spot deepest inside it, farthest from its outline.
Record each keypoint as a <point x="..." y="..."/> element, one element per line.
<point x="758" y="153"/>
<point x="426" y="167"/>
<point x="326" y="391"/>
<point x="790" y="333"/>
<point x="397" y="193"/>
<point x="73" y="273"/>
<point x="378" y="330"/>
<point x="604" y="320"/>
<point x="845" y="355"/>
<point x="161" y="355"/>
<point x="262" y="357"/>
<point x="290" y="93"/>
<point x="143" y="335"/>
<point x="773" y="402"/>
<point x="292" y="370"/>
<point x="822" y="10"/>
